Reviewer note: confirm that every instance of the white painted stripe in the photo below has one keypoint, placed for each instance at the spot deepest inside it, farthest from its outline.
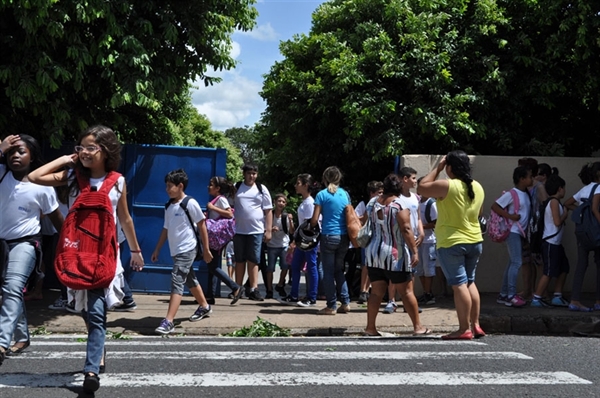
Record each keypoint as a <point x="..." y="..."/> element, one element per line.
<point x="277" y="355"/>
<point x="12" y="380"/>
<point x="307" y="342"/>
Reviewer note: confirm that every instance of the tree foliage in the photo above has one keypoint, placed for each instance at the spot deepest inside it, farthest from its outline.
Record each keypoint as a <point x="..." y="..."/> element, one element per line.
<point x="377" y="78"/>
<point x="67" y="64"/>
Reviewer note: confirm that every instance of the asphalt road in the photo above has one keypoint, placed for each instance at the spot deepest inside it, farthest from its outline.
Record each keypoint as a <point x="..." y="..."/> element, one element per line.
<point x="496" y="366"/>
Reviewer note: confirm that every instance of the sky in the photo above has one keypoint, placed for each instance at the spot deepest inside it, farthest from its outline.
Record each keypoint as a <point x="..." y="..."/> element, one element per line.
<point x="235" y="101"/>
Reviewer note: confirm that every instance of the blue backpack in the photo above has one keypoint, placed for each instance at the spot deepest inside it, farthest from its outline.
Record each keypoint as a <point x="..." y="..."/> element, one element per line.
<point x="587" y="227"/>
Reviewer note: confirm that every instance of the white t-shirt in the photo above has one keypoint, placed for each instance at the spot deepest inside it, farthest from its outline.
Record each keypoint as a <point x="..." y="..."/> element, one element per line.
<point x="220" y="203"/>
<point x="360" y="209"/>
<point x="179" y="231"/>
<point x="549" y="227"/>
<point x="433" y="215"/>
<point x="21" y="206"/>
<point x="279" y="238"/>
<point x="584" y="192"/>
<point x="412" y="204"/>
<point x="524" y="209"/>
<point x="250" y="205"/>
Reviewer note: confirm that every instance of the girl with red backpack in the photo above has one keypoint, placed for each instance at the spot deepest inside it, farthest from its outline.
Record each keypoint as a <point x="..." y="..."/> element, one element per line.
<point x="97" y="156"/>
<point x="20" y="234"/>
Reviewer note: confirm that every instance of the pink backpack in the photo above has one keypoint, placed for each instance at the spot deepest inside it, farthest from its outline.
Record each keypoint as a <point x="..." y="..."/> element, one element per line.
<point x="220" y="231"/>
<point x="498" y="227"/>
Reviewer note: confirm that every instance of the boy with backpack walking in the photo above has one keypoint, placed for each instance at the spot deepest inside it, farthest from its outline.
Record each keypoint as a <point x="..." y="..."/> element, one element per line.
<point x="514" y="205"/>
<point x="556" y="265"/>
<point x="182" y="215"/>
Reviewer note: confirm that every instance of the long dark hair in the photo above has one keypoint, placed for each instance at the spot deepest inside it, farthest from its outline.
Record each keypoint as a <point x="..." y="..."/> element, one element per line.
<point x="461" y="168"/>
<point x="312" y="185"/>
<point x="35" y="152"/>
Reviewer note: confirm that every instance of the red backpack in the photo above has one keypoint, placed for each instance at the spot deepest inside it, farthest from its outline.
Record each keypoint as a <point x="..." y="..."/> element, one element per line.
<point x="86" y="254"/>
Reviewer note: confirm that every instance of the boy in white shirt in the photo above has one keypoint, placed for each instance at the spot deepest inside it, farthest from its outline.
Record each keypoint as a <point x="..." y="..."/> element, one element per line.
<point x="183" y="246"/>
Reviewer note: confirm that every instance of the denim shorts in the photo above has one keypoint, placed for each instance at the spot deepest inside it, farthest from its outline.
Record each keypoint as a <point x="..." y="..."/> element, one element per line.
<point x="274" y="253"/>
<point x="247" y="248"/>
<point x="427" y="260"/>
<point x="183" y="272"/>
<point x="459" y="262"/>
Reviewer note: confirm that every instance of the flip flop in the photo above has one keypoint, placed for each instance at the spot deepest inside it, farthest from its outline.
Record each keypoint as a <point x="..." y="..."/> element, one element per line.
<point x="576" y="308"/>
<point x="427" y="332"/>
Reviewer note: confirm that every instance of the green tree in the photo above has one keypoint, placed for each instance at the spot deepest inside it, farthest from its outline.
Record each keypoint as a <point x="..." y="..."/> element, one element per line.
<point x="67" y="64"/>
<point x="245" y="139"/>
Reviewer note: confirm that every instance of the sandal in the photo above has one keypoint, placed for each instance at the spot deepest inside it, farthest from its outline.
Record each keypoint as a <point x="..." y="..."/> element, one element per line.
<point x="425" y="333"/>
<point x="576" y="308"/>
<point x="14" y="350"/>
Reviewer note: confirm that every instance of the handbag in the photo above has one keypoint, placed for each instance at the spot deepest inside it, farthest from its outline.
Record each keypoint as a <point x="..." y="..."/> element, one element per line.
<point x="365" y="233"/>
<point x="353" y="224"/>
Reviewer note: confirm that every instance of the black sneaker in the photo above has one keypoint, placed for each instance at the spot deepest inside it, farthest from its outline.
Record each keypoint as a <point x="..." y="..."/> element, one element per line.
<point x="125" y="307"/>
<point x="289" y="300"/>
<point x="91" y="383"/>
<point x="281" y="290"/>
<point x="269" y="294"/>
<point x="363" y="298"/>
<point x="306" y="303"/>
<point x="255" y="295"/>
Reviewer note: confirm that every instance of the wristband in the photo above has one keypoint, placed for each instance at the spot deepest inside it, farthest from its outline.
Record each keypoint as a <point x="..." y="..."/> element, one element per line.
<point x="135" y="251"/>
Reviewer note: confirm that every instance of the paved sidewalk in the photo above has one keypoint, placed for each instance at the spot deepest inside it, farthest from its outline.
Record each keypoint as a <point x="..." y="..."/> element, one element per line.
<point x="440" y="317"/>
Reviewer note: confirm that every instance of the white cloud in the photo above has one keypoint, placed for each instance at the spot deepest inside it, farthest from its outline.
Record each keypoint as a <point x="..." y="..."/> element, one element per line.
<point x="263" y="32"/>
<point x="232" y="103"/>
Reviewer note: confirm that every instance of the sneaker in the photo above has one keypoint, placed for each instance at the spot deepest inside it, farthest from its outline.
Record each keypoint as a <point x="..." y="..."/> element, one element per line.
<point x="363" y="298"/>
<point x="326" y="311"/>
<point x="538" y="303"/>
<point x="281" y="290"/>
<point x="255" y="295"/>
<point x="502" y="299"/>
<point x="165" y="327"/>
<point x="426" y="299"/>
<point x="289" y="300"/>
<point x="125" y="307"/>
<point x="59" y="304"/>
<point x="307" y="303"/>
<point x="343" y="309"/>
<point x="559" y="301"/>
<point x="200" y="313"/>
<point x="269" y="294"/>
<point x="516" y="301"/>
<point x="390" y="308"/>
<point x="71" y="308"/>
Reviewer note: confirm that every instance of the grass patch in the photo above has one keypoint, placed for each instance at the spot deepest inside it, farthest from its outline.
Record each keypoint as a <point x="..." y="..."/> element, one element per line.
<point x="261" y="328"/>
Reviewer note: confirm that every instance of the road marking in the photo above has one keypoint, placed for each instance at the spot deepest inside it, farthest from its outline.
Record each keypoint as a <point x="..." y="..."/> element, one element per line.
<point x="21" y="380"/>
<point x="276" y="355"/>
<point x="265" y="342"/>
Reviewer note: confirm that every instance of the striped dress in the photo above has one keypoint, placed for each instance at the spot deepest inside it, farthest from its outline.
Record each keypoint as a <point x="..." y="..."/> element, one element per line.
<point x="387" y="249"/>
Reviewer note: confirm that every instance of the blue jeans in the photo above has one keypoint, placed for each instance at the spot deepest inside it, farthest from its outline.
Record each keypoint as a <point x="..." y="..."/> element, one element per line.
<point x="511" y="274"/>
<point x="274" y="253"/>
<point x="95" y="318"/>
<point x="214" y="269"/>
<point x="13" y="318"/>
<point x="459" y="262"/>
<point x="312" y="274"/>
<point x="333" y="252"/>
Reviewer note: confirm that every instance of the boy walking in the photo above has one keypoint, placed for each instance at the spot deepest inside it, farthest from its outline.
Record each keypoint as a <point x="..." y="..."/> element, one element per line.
<point x="183" y="246"/>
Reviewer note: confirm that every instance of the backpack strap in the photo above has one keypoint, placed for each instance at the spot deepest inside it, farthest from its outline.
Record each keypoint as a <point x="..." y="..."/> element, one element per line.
<point x="110" y="181"/>
<point x="428" y="210"/>
<point x="590" y="198"/>
<point x="183" y="205"/>
<point x="546" y="203"/>
<point x="258" y="186"/>
<point x="515" y="197"/>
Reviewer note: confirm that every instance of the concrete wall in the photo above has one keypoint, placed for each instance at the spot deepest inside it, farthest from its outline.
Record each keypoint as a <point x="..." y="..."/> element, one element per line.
<point x="494" y="173"/>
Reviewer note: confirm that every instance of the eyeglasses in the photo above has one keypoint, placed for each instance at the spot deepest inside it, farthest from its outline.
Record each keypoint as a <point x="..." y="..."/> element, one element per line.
<point x="89" y="148"/>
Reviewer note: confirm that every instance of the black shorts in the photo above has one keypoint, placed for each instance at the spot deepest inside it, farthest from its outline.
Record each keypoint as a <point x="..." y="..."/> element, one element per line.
<point x="378" y="274"/>
<point x="555" y="260"/>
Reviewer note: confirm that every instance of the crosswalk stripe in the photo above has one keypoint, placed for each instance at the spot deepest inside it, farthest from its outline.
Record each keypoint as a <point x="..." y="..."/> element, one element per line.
<point x="16" y="380"/>
<point x="265" y="342"/>
<point x="276" y="355"/>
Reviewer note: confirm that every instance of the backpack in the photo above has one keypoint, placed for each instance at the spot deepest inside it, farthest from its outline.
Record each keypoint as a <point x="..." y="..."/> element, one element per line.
<point x="498" y="227"/>
<point x="86" y="254"/>
<point x="428" y="205"/>
<point x="258" y="185"/>
<point x="587" y="228"/>
<point x="536" y="236"/>
<point x="183" y="205"/>
<point x="284" y="223"/>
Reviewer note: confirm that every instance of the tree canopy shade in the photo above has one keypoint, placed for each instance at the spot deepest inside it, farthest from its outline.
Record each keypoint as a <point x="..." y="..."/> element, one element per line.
<point x="377" y="78"/>
<point x="124" y="63"/>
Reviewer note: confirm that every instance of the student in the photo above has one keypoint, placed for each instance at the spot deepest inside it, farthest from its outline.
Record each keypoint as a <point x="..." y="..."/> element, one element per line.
<point x="305" y="185"/>
<point x="408" y="200"/>
<point x="375" y="188"/>
<point x="182" y="246"/>
<point x="426" y="268"/>
<point x="21" y="206"/>
<point x="277" y="247"/>
<point x="229" y="257"/>
<point x="505" y="207"/>
<point x="253" y="224"/>
<point x="128" y="304"/>
<point x="590" y="177"/>
<point x="219" y="207"/>
<point x="556" y="264"/>
<point x="97" y="153"/>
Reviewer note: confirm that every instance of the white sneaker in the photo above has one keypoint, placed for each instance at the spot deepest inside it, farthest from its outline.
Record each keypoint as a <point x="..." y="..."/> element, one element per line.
<point x="59" y="304"/>
<point x="390" y="308"/>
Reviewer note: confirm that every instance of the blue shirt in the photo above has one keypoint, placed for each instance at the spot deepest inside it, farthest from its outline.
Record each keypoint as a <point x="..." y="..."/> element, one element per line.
<point x="332" y="211"/>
